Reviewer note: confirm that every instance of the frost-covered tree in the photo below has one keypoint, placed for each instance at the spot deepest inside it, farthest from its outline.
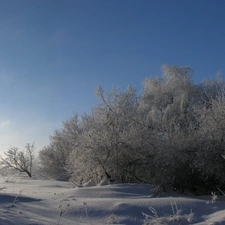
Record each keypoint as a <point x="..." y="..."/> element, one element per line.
<point x="170" y="99"/>
<point x="170" y="103"/>
<point x="171" y="135"/>
<point x="108" y="139"/>
<point x="208" y="159"/>
<point x="19" y="160"/>
<point x="176" y="107"/>
<point x="53" y="158"/>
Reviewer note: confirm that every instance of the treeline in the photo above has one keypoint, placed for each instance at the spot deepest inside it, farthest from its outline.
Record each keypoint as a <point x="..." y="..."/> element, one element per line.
<point x="171" y="135"/>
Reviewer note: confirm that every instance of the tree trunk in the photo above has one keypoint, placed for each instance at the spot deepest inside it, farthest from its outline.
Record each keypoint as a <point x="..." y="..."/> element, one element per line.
<point x="28" y="173"/>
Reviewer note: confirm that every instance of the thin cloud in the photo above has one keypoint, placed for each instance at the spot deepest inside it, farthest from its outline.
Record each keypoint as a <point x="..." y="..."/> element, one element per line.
<point x="4" y="123"/>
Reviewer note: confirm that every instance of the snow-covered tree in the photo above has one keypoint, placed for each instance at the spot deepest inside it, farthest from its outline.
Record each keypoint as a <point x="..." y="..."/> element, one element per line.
<point x="19" y="160"/>
<point x="107" y="139"/>
<point x="172" y="134"/>
<point x="53" y="158"/>
<point x="209" y="157"/>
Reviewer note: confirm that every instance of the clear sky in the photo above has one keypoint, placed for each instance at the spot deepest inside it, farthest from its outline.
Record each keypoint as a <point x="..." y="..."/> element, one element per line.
<point x="53" y="54"/>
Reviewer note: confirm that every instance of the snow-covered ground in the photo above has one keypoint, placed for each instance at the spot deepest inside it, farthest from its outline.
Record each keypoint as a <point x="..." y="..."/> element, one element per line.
<point x="44" y="202"/>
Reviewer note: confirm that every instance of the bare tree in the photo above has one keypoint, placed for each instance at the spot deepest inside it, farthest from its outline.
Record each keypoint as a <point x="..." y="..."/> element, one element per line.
<point x="19" y="160"/>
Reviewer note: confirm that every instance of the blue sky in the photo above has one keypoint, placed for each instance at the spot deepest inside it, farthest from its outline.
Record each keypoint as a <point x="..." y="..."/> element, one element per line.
<point x="53" y="54"/>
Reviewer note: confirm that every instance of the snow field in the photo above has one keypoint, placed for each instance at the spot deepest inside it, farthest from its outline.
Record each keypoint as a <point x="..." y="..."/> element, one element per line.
<point x="30" y="201"/>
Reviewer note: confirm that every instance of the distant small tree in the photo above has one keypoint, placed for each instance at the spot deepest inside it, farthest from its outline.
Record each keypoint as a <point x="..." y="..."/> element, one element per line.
<point x="19" y="160"/>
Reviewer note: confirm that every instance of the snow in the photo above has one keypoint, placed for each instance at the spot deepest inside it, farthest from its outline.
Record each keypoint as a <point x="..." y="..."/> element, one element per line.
<point x="32" y="201"/>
